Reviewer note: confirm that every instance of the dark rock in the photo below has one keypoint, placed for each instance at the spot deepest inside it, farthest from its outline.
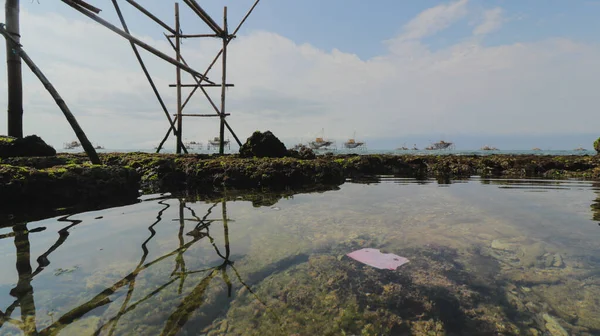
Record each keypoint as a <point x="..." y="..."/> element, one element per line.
<point x="263" y="145"/>
<point x="31" y="145"/>
<point x="302" y="152"/>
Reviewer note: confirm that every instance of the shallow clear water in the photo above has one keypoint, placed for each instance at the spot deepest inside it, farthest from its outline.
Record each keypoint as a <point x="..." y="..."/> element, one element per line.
<point x="486" y="256"/>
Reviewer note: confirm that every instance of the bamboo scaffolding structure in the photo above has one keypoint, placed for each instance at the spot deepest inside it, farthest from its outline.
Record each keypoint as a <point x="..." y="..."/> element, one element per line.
<point x="135" y="40"/>
<point x="221" y="51"/>
<point x="176" y="124"/>
<point x="145" y="70"/>
<point x="85" y="143"/>
<point x="207" y="97"/>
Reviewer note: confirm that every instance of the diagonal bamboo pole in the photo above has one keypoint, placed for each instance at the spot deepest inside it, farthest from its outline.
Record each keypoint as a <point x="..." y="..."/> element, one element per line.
<point x="151" y="16"/>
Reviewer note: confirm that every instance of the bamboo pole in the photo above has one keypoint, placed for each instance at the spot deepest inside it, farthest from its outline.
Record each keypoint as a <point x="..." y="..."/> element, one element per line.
<point x="166" y="136"/>
<point x="85" y="143"/>
<point x="194" y="35"/>
<point x="178" y="72"/>
<point x="145" y="70"/>
<point x="87" y="6"/>
<point x="135" y="40"/>
<point x="223" y="84"/>
<point x="204" y="16"/>
<point x="151" y="16"/>
<point x="14" y="71"/>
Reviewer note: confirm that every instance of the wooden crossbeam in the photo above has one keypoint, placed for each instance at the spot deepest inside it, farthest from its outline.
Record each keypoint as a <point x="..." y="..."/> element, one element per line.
<point x="203" y="85"/>
<point x="202" y="115"/>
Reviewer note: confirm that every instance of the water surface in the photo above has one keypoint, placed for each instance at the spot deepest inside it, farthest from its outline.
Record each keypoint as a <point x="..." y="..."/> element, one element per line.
<point x="512" y="256"/>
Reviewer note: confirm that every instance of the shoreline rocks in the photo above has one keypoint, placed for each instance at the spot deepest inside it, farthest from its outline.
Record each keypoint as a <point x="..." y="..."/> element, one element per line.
<point x="67" y="178"/>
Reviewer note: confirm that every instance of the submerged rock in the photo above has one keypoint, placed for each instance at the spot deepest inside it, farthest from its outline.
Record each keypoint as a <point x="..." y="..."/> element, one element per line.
<point x="554" y="328"/>
<point x="31" y="145"/>
<point x="263" y="145"/>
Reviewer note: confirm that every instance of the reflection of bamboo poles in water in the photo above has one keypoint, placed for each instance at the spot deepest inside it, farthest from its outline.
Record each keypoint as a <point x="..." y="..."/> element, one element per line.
<point x="24" y="290"/>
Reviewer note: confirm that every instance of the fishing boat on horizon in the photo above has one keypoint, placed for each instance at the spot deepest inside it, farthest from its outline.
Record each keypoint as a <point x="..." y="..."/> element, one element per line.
<point x="352" y="143"/>
<point x="321" y="142"/>
<point x="71" y="145"/>
<point x="440" y="145"/>
<point x="488" y="148"/>
<point x="194" y="145"/>
<point x="216" y="142"/>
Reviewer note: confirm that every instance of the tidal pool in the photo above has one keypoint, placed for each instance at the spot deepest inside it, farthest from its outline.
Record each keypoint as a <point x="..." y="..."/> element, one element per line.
<point x="487" y="257"/>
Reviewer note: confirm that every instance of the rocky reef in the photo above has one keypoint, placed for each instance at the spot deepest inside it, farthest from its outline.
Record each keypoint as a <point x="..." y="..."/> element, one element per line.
<point x="24" y="186"/>
<point x="66" y="178"/>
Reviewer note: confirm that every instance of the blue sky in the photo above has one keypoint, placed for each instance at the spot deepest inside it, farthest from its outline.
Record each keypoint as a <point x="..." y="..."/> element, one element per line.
<point x="360" y="27"/>
<point x="480" y="71"/>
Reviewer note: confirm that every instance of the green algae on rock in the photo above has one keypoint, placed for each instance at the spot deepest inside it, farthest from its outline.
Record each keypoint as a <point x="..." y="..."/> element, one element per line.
<point x="31" y="145"/>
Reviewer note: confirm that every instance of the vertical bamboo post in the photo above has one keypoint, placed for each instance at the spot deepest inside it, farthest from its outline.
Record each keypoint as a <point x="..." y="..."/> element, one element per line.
<point x="178" y="57"/>
<point x="13" y="71"/>
<point x="223" y="82"/>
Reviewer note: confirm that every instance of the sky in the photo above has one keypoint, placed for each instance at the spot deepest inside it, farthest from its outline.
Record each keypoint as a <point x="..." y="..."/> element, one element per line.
<point x="506" y="73"/>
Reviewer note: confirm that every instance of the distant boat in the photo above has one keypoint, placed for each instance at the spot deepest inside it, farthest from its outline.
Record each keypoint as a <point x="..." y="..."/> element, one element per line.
<point x="352" y="143"/>
<point x="536" y="149"/>
<point x="402" y="148"/>
<point x="71" y="145"/>
<point x="193" y="145"/>
<point x="488" y="148"/>
<point x="320" y="142"/>
<point x="440" y="145"/>
<point x="216" y="142"/>
<point x="99" y="147"/>
<point x="580" y="149"/>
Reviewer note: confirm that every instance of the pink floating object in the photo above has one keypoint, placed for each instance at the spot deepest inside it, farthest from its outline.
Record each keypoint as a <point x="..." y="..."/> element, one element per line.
<point x="373" y="257"/>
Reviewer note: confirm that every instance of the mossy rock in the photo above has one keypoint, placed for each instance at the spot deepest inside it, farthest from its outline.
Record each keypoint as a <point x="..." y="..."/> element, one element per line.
<point x="31" y="145"/>
<point x="303" y="153"/>
<point x="263" y="145"/>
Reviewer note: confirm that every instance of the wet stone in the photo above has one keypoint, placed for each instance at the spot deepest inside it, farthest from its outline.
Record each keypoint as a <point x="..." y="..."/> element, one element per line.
<point x="554" y="328"/>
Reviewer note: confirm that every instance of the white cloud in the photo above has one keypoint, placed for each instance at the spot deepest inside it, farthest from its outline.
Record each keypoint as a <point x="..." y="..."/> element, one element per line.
<point x="296" y="89"/>
<point x="492" y="21"/>
<point x="434" y="20"/>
